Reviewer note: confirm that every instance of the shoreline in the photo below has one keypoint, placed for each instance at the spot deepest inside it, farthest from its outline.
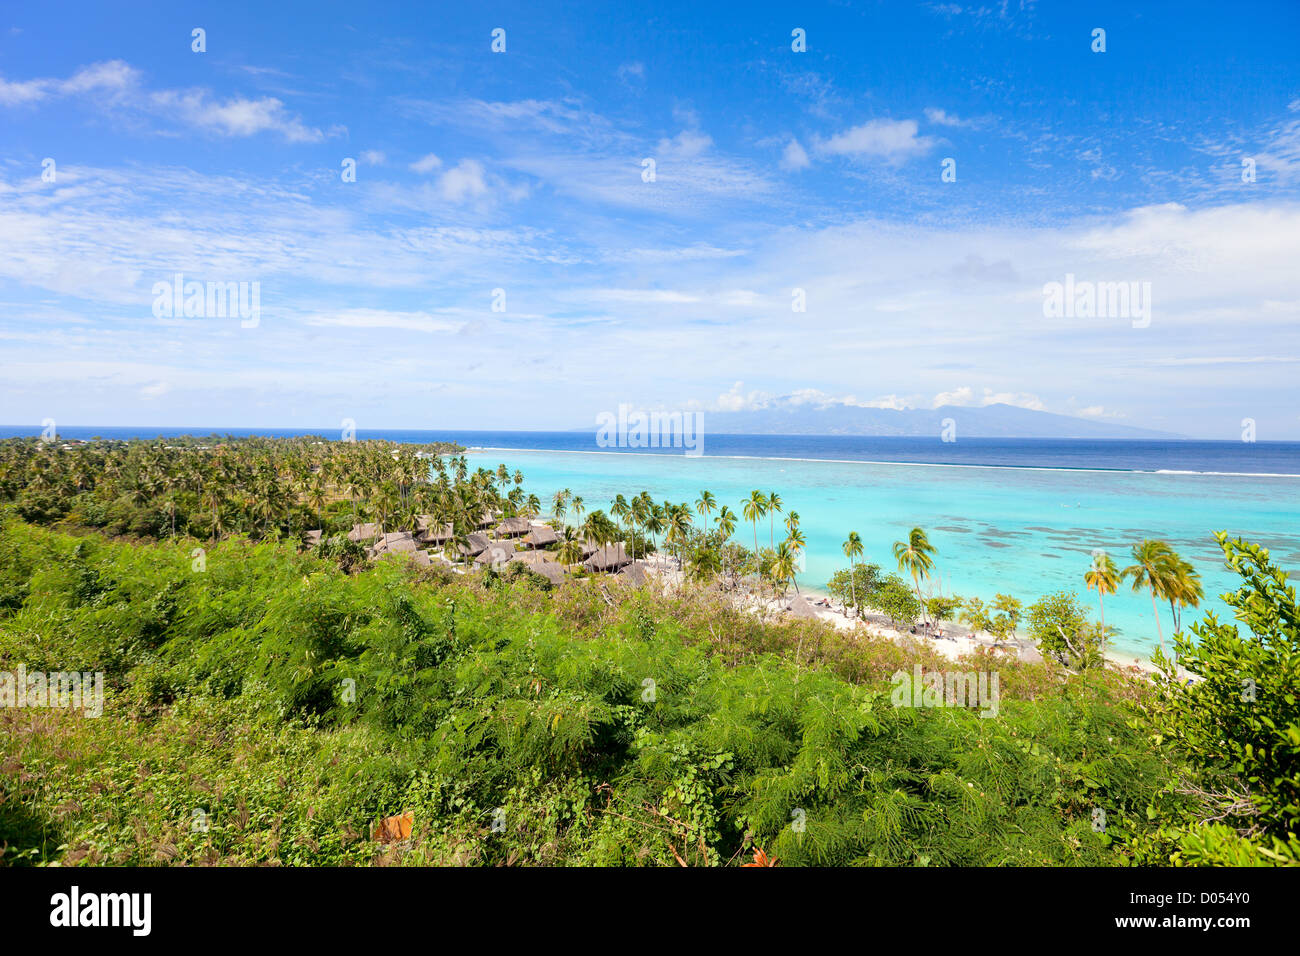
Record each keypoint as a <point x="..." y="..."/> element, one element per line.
<point x="954" y="640"/>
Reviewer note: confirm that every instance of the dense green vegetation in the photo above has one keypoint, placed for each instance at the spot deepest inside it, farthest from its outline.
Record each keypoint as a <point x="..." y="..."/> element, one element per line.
<point x="290" y="706"/>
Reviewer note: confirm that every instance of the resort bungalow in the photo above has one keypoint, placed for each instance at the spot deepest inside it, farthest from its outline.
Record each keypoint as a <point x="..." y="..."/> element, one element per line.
<point x="513" y="526"/>
<point x="498" y="552"/>
<point x="609" y="558"/>
<point x="395" y="542"/>
<point x="549" y="570"/>
<point x="634" y="575"/>
<point x="541" y="537"/>
<point x="475" y="543"/>
<point x="427" y="533"/>
<point x="533" y="558"/>
<point x="363" y="532"/>
<point x="312" y="538"/>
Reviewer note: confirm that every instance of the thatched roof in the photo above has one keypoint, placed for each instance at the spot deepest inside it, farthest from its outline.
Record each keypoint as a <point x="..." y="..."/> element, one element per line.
<point x="538" y="537"/>
<point x="475" y="542"/>
<point x="609" y="558"/>
<point x="427" y="532"/>
<point x="487" y="520"/>
<point x="513" y="526"/>
<point x="498" y="552"/>
<point x="422" y="559"/>
<point x="394" y="542"/>
<point x="534" y="557"/>
<point x="549" y="570"/>
<point x="363" y="532"/>
<point x="312" y="538"/>
<point x="589" y="548"/>
<point x="432" y="535"/>
<point x="634" y="574"/>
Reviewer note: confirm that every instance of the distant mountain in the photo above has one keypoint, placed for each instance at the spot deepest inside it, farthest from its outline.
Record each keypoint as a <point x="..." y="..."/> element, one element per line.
<point x="785" y="417"/>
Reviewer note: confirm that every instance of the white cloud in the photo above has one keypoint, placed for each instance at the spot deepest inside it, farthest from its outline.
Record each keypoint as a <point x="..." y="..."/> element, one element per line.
<point x="234" y="117"/>
<point x="462" y="181"/>
<point x="426" y="164"/>
<point x="966" y="396"/>
<point x="384" y="319"/>
<point x="794" y="157"/>
<point x="735" y="399"/>
<point x="110" y="75"/>
<point x="373" y="157"/>
<point x="892" y="140"/>
<point x="116" y="85"/>
<point x="20" y="94"/>
<point x="685" y="145"/>
<point x="634" y="71"/>
<point x="943" y="118"/>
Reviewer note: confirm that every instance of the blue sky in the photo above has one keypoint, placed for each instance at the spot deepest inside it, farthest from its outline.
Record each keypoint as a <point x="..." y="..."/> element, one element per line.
<point x="523" y="171"/>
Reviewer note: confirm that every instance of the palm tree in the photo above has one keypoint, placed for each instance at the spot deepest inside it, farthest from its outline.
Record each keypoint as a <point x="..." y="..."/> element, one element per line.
<point x="783" y="567"/>
<point x="773" y="506"/>
<point x="853" y="550"/>
<point x="914" y="557"/>
<point x="620" y="511"/>
<point x="654" y="520"/>
<point x="1150" y="570"/>
<point x="796" y="543"/>
<point x="639" y="515"/>
<point x="726" y="522"/>
<point x="559" y="503"/>
<point x="679" y="527"/>
<point x="1104" y="576"/>
<point x="570" y="550"/>
<point x="755" y="506"/>
<point x="576" y="504"/>
<point x="705" y="504"/>
<point x="1183" y="588"/>
<point x="726" y="528"/>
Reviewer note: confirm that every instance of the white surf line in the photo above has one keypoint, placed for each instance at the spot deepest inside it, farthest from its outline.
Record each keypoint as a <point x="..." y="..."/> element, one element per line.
<point x="900" y="464"/>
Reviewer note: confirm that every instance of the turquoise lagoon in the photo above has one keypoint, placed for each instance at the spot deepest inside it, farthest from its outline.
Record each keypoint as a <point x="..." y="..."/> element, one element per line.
<point x="1016" y="530"/>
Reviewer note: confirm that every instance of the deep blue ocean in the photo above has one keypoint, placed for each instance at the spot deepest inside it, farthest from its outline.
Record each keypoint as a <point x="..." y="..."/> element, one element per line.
<point x="1213" y="457"/>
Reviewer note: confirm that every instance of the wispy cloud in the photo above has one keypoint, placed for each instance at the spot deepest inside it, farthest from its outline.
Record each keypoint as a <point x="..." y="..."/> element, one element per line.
<point x="118" y="87"/>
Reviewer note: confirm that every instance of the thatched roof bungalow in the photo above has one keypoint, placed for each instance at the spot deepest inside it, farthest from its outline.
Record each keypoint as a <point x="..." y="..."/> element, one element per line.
<point x="634" y="574"/>
<point x="514" y="526"/>
<point x="549" y="570"/>
<point x="475" y="543"/>
<point x="429" y="533"/>
<point x="364" y="532"/>
<point x="609" y="558"/>
<point x="540" y="537"/>
<point x="497" y="553"/>
<point x="394" y="542"/>
<point x="533" y="557"/>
